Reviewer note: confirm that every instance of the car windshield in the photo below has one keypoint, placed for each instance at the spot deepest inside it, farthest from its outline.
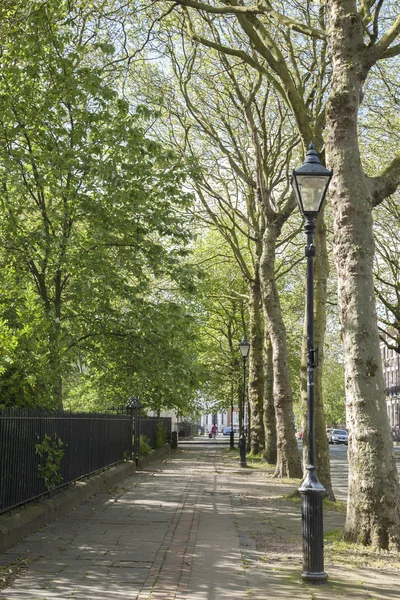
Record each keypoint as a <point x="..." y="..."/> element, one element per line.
<point x="339" y="432"/>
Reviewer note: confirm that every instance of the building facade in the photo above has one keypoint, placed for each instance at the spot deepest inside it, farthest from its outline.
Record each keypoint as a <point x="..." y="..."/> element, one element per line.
<point x="222" y="419"/>
<point x="391" y="374"/>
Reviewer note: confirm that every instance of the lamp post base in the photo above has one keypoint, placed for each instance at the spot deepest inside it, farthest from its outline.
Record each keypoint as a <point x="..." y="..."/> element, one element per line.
<point x="311" y="492"/>
<point x="242" y="451"/>
<point x="316" y="578"/>
<point x="232" y="440"/>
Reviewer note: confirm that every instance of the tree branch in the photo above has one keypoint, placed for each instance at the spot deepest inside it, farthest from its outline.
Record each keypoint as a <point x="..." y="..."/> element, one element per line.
<point x="386" y="183"/>
<point x="238" y="9"/>
<point x="381" y="49"/>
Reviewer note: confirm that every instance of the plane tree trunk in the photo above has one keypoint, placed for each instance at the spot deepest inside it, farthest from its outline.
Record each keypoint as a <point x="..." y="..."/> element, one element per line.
<point x="373" y="515"/>
<point x="256" y="376"/>
<point x="288" y="460"/>
<point x="269" y="454"/>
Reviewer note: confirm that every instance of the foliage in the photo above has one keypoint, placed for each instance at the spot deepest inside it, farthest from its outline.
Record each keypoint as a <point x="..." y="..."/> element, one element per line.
<point x="161" y="435"/>
<point x="334" y="393"/>
<point x="51" y="451"/>
<point x="144" y="446"/>
<point x="222" y="298"/>
<point x="93" y="225"/>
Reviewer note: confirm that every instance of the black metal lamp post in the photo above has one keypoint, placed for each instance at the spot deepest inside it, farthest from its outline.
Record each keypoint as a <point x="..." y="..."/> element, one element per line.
<point x="232" y="434"/>
<point x="133" y="407"/>
<point x="310" y="183"/>
<point x="244" y="348"/>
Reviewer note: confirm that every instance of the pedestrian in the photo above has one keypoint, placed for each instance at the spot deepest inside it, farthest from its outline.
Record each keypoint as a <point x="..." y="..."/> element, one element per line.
<point x="214" y="430"/>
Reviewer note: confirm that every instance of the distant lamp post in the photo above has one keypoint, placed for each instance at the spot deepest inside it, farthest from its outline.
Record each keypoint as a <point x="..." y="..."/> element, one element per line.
<point x="310" y="183"/>
<point x="133" y="407"/>
<point x="244" y="348"/>
<point x="232" y="433"/>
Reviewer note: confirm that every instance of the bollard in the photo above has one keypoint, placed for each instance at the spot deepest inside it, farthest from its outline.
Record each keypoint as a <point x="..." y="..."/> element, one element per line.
<point x="174" y="440"/>
<point x="242" y="451"/>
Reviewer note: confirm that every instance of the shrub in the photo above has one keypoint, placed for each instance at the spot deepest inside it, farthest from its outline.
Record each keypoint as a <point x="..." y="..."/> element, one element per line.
<point x="144" y="446"/>
<point x="161" y="435"/>
<point x="51" y="452"/>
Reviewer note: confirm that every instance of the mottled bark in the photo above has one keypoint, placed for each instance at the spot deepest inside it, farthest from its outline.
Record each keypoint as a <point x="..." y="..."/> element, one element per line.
<point x="270" y="453"/>
<point x="288" y="462"/>
<point x="321" y="271"/>
<point x="373" y="515"/>
<point x="256" y="375"/>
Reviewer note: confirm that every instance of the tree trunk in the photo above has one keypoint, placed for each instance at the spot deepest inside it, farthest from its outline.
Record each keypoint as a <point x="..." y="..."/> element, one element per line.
<point x="57" y="342"/>
<point x="269" y="454"/>
<point x="54" y="365"/>
<point x="322" y="458"/>
<point x="288" y="460"/>
<point x="373" y="515"/>
<point x="256" y="376"/>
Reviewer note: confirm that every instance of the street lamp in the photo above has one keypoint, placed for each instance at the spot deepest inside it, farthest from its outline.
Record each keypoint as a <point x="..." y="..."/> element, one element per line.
<point x="310" y="183"/>
<point x="244" y="348"/>
<point x="133" y="407"/>
<point x="232" y="434"/>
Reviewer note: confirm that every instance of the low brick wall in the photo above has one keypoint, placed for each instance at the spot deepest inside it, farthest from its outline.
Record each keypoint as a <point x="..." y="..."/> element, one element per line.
<point x="24" y="521"/>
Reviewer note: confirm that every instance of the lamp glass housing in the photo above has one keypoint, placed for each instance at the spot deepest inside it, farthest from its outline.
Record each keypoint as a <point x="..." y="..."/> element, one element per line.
<point x="310" y="192"/>
<point x="244" y="347"/>
<point x="133" y="403"/>
<point x="310" y="183"/>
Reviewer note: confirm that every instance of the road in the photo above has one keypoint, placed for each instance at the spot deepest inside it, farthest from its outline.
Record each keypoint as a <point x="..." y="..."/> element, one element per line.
<point x="339" y="470"/>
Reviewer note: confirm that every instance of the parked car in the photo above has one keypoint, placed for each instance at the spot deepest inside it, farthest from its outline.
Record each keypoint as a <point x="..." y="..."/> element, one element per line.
<point x="227" y="430"/>
<point x="338" y="436"/>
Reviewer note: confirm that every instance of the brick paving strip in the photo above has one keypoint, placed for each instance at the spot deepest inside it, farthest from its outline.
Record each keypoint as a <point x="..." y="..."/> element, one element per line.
<point x="169" y="576"/>
<point x="162" y="534"/>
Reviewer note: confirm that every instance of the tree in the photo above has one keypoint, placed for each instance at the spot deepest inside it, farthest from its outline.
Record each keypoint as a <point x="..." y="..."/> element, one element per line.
<point x="240" y="187"/>
<point x="359" y="36"/>
<point x="223" y="316"/>
<point x="357" y="44"/>
<point x="93" y="213"/>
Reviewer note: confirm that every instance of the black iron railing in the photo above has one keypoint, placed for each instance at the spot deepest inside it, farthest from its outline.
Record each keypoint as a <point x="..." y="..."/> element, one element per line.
<point x="42" y="450"/>
<point x="185" y="429"/>
<point x="150" y="428"/>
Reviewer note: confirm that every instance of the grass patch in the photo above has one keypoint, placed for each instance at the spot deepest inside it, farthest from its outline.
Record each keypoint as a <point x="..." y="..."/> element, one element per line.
<point x="254" y="457"/>
<point x="293" y="497"/>
<point x="260" y="466"/>
<point x="228" y="452"/>
<point x="256" y="461"/>
<point x="339" y="506"/>
<point x="340" y="552"/>
<point x="335" y="535"/>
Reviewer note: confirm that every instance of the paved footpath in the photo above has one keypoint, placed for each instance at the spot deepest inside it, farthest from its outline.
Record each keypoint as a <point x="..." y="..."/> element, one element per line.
<point x="190" y="527"/>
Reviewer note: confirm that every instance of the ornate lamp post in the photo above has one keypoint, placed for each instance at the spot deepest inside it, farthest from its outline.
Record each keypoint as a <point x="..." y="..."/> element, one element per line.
<point x="133" y="407"/>
<point x="310" y="183"/>
<point x="244" y="348"/>
<point x="231" y="435"/>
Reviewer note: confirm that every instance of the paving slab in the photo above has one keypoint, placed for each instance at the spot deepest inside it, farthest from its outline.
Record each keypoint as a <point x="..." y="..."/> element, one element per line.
<point x="193" y="526"/>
